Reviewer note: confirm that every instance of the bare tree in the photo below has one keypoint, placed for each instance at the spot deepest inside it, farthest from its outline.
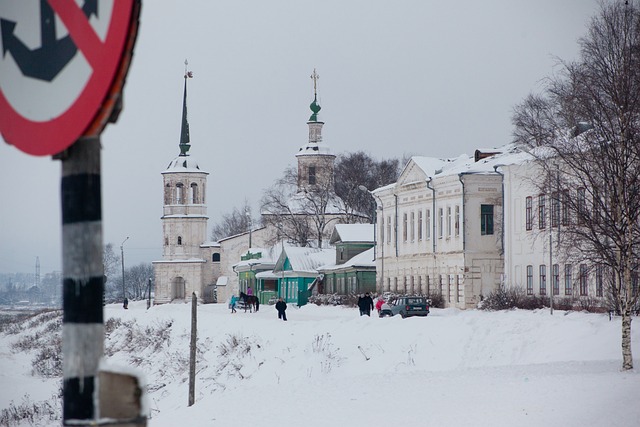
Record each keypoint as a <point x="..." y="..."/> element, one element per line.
<point x="137" y="279"/>
<point x="236" y="222"/>
<point x="355" y="169"/>
<point x="584" y="129"/>
<point x="301" y="216"/>
<point x="111" y="262"/>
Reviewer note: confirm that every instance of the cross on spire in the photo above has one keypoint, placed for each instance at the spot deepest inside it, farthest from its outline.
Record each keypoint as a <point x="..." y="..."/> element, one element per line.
<point x="315" y="78"/>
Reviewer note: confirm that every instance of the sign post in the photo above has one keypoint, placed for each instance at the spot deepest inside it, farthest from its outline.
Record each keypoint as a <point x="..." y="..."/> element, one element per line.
<point x="55" y="99"/>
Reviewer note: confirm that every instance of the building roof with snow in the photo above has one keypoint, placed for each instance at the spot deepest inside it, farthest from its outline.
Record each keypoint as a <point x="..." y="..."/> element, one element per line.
<point x="352" y="233"/>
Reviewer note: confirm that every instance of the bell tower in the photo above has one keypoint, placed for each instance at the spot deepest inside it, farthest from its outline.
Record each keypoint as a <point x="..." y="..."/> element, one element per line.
<point x="315" y="161"/>
<point x="183" y="268"/>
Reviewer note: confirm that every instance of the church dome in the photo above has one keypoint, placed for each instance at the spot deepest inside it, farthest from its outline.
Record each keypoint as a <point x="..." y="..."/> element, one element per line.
<point x="183" y="164"/>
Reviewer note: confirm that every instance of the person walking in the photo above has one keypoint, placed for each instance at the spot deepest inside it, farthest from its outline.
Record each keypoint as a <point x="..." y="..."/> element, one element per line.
<point x="234" y="299"/>
<point x="281" y="306"/>
<point x="379" y="303"/>
<point x="365" y="304"/>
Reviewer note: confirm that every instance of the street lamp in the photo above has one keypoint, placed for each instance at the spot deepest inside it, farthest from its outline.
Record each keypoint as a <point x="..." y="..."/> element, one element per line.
<point x="124" y="293"/>
<point x="375" y="241"/>
<point x="249" y="222"/>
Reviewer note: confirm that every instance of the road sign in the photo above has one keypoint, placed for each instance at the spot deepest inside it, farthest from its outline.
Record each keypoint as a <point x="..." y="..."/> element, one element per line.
<point x="62" y="68"/>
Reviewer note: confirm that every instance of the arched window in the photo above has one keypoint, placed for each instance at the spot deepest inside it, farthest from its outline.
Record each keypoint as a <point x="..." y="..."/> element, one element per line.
<point x="180" y="240"/>
<point x="194" y="193"/>
<point x="167" y="194"/>
<point x="215" y="257"/>
<point x="179" y="193"/>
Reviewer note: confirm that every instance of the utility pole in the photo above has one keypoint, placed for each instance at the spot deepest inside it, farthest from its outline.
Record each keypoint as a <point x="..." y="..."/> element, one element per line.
<point x="124" y="292"/>
<point x="192" y="349"/>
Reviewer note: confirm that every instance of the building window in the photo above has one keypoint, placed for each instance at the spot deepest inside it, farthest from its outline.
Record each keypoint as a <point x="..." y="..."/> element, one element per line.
<point x="486" y="219"/>
<point x="215" y="257"/>
<point x="312" y="175"/>
<point x="555" y="209"/>
<point x="440" y="222"/>
<point x="179" y="240"/>
<point x="566" y="218"/>
<point x="167" y="194"/>
<point x="341" y="252"/>
<point x="529" y="212"/>
<point x="428" y="224"/>
<point x="448" y="221"/>
<point x="457" y="221"/>
<point x="567" y="279"/>
<point x="404" y="227"/>
<point x="543" y="279"/>
<point x="529" y="279"/>
<point x="556" y="279"/>
<point x="582" y="206"/>
<point x="194" y="193"/>
<point x="166" y="241"/>
<point x="583" y="277"/>
<point x="542" y="214"/>
<point x="179" y="193"/>
<point x="412" y="225"/>
<point x="420" y="225"/>
<point x="599" y="278"/>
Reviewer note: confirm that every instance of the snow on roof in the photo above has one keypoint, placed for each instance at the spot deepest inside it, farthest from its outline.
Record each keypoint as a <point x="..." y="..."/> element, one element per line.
<point x="309" y="259"/>
<point x="363" y="259"/>
<point x="352" y="233"/>
<point x="269" y="256"/>
<point x="314" y="149"/>
<point x="183" y="164"/>
<point x="507" y="155"/>
<point x="300" y="203"/>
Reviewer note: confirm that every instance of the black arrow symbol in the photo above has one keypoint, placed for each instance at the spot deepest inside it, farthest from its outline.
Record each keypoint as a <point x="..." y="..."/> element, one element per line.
<point x="45" y="62"/>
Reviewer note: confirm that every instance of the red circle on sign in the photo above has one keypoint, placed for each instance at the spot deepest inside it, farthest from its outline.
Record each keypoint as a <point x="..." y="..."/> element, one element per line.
<point x="105" y="59"/>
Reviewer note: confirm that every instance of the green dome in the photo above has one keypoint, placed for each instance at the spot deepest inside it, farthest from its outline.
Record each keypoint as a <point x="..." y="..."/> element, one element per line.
<point x="315" y="107"/>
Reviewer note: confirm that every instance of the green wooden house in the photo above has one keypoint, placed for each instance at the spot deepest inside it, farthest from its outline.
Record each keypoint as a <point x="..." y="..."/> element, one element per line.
<point x="296" y="272"/>
<point x="251" y="264"/>
<point x="354" y="270"/>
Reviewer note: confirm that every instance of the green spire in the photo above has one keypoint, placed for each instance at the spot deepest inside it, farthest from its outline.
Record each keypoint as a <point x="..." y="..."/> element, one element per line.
<point x="315" y="107"/>
<point x="184" y="130"/>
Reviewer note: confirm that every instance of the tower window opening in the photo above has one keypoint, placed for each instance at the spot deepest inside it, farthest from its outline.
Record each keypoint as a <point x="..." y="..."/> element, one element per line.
<point x="312" y="175"/>
<point x="179" y="240"/>
<point x="194" y="193"/>
<point x="167" y="194"/>
<point x="179" y="193"/>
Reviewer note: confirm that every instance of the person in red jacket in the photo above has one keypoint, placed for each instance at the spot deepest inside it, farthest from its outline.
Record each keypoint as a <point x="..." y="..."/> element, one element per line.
<point x="379" y="303"/>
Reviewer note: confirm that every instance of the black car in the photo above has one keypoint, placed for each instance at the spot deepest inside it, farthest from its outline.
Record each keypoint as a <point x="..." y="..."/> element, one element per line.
<point x="406" y="307"/>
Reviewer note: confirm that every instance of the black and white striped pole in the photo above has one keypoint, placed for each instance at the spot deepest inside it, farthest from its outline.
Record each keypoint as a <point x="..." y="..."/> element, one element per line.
<point x="83" y="271"/>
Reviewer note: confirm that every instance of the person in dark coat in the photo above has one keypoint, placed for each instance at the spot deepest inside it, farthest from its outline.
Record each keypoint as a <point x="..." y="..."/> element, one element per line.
<point x="366" y="304"/>
<point x="281" y="306"/>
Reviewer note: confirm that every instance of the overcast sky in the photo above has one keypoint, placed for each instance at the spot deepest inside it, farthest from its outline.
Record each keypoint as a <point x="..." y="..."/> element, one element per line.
<point x="420" y="77"/>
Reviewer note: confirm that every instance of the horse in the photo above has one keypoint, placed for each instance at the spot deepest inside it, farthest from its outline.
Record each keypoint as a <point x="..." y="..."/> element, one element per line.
<point x="250" y="302"/>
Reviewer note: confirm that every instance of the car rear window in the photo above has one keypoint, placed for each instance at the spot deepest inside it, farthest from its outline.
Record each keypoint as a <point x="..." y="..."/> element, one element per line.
<point x="416" y="301"/>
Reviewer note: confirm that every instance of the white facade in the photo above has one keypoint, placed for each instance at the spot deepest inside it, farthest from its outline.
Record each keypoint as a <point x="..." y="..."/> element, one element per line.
<point x="533" y="260"/>
<point x="430" y="232"/>
<point x="188" y="265"/>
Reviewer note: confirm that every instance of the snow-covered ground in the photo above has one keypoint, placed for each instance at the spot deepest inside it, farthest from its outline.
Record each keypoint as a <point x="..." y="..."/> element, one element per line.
<point x="327" y="366"/>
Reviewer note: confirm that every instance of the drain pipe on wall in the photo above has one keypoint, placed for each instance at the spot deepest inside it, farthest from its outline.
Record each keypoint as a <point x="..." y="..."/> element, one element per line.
<point x="464" y="218"/>
<point x="433" y="214"/>
<point x="396" y="224"/>
<point x="495" y="168"/>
